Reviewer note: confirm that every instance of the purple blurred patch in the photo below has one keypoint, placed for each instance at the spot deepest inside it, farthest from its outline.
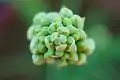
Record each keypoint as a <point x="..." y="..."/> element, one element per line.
<point x="6" y="16"/>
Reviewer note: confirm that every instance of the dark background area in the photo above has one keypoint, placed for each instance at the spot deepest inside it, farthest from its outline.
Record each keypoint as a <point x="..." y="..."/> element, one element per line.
<point x="102" y="23"/>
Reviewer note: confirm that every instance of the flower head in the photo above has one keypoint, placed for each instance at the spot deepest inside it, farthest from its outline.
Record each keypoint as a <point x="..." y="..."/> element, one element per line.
<point x="58" y="37"/>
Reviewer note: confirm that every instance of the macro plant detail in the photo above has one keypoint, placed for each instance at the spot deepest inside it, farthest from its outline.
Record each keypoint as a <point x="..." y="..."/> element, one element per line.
<point x="59" y="38"/>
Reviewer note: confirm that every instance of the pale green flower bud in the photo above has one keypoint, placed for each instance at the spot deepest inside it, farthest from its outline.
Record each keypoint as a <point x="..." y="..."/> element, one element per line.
<point x="60" y="40"/>
<point x="67" y="22"/>
<point x="37" y="28"/>
<point x="77" y="21"/>
<point x="59" y="53"/>
<point x="38" y="16"/>
<point x="65" y="12"/>
<point x="41" y="48"/>
<point x="76" y="36"/>
<point x="44" y="31"/>
<point x="57" y="41"/>
<point x="32" y="31"/>
<point x="62" y="47"/>
<point x="82" y="35"/>
<point x="34" y="45"/>
<point x="66" y="56"/>
<point x="53" y="27"/>
<point x="47" y="41"/>
<point x="74" y="56"/>
<point x="87" y="46"/>
<point x="41" y="19"/>
<point x="68" y="48"/>
<point x="37" y="59"/>
<point x="54" y="17"/>
<point x="72" y="29"/>
<point x="70" y="40"/>
<point x="49" y="53"/>
<point x="82" y="59"/>
<point x="57" y="19"/>
<point x="41" y="39"/>
<point x="63" y="39"/>
<point x="63" y="30"/>
<point x="54" y="36"/>
<point x="73" y="48"/>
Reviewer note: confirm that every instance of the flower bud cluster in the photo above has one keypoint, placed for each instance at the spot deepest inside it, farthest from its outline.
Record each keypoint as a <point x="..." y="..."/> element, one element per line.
<point x="58" y="37"/>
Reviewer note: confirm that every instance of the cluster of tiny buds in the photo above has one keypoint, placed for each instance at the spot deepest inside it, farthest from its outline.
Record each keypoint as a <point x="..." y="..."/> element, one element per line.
<point x="58" y="38"/>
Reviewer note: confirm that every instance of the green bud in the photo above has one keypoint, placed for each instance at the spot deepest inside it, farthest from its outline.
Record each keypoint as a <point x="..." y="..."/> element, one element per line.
<point x="53" y="27"/>
<point x="41" y="48"/>
<point x="63" y="39"/>
<point x="41" y="19"/>
<point x="66" y="55"/>
<point x="67" y="22"/>
<point x="37" y="28"/>
<point x="59" y="53"/>
<point x="76" y="36"/>
<point x="77" y="21"/>
<point x="34" y="45"/>
<point x="72" y="29"/>
<point x="32" y="31"/>
<point x="70" y="40"/>
<point x="58" y="41"/>
<point x="87" y="46"/>
<point x="68" y="48"/>
<point x="74" y="56"/>
<point x="39" y="16"/>
<point x="49" y="53"/>
<point x="54" y="36"/>
<point x="62" y="47"/>
<point x="82" y="35"/>
<point x="82" y="59"/>
<point x="57" y="19"/>
<point x="41" y="39"/>
<point x="65" y="12"/>
<point x="47" y="41"/>
<point x="73" y="48"/>
<point x="37" y="59"/>
<point x="63" y="30"/>
<point x="54" y="17"/>
<point x="44" y="31"/>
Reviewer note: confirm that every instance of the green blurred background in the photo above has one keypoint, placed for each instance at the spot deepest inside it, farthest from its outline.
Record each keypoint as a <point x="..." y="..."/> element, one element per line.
<point x="102" y="24"/>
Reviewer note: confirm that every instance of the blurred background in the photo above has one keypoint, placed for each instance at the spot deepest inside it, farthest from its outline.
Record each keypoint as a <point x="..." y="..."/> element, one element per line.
<point x="102" y="24"/>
